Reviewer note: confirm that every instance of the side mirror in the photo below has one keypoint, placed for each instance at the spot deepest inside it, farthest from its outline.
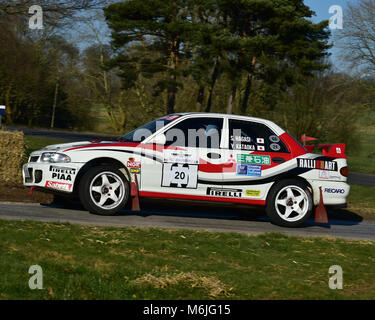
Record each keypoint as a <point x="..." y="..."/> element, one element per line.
<point x="159" y="139"/>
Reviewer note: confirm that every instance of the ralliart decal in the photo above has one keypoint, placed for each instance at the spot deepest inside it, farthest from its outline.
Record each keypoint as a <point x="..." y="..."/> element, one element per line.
<point x="317" y="164"/>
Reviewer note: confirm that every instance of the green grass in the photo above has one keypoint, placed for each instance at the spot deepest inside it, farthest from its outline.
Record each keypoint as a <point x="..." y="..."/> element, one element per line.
<point x="363" y="160"/>
<point x="132" y="263"/>
<point x="361" y="196"/>
<point x="36" y="143"/>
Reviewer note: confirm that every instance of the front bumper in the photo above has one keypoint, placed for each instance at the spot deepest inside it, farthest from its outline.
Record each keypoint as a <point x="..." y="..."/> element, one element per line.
<point x="54" y="176"/>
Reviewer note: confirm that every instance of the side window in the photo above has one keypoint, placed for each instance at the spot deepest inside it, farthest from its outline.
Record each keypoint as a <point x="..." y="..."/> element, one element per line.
<point x="196" y="132"/>
<point x="253" y="136"/>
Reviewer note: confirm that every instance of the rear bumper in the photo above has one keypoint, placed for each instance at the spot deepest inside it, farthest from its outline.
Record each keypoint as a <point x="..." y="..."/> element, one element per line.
<point x="334" y="193"/>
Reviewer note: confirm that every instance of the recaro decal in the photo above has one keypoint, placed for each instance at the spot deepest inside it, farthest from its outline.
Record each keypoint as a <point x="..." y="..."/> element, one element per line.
<point x="332" y="190"/>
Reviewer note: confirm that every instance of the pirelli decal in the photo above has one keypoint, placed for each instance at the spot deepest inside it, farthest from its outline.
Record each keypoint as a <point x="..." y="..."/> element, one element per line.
<point x="221" y="192"/>
<point x="317" y="164"/>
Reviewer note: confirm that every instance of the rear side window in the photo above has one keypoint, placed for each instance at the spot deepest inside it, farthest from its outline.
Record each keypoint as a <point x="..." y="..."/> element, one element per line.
<point x="253" y="136"/>
<point x="196" y="132"/>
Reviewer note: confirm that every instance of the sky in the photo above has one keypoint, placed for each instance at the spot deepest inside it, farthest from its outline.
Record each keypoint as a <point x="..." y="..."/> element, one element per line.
<point x="321" y="8"/>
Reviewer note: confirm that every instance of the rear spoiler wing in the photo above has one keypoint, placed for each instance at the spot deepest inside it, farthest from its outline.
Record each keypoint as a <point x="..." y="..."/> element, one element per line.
<point x="336" y="150"/>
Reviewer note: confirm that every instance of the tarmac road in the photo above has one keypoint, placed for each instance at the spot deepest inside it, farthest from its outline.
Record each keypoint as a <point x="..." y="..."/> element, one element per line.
<point x="67" y="136"/>
<point x="198" y="217"/>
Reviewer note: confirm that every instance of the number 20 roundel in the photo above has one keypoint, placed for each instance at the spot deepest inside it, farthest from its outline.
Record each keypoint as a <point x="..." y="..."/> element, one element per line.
<point x="177" y="175"/>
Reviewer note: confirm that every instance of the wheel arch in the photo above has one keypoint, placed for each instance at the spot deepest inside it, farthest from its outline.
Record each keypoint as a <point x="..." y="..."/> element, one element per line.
<point x="291" y="177"/>
<point x="99" y="162"/>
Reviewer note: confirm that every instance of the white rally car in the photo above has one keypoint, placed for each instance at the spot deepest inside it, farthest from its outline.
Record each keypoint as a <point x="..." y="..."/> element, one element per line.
<point x="197" y="156"/>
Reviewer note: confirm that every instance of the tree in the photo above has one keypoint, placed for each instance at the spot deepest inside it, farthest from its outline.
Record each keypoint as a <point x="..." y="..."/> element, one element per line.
<point x="357" y="39"/>
<point x="273" y="34"/>
<point x="254" y="39"/>
<point x="158" y="27"/>
<point x="52" y="9"/>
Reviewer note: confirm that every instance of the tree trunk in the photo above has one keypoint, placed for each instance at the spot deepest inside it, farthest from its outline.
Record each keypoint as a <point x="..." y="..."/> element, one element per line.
<point x="249" y="83"/>
<point x="54" y="103"/>
<point x="245" y="101"/>
<point x="232" y="97"/>
<point x="171" y="102"/>
<point x="9" y="108"/>
<point x="171" y="94"/>
<point x="200" y="98"/>
<point x="214" y="77"/>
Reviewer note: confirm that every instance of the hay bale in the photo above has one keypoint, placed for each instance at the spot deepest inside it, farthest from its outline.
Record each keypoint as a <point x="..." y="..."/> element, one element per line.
<point x="12" y="148"/>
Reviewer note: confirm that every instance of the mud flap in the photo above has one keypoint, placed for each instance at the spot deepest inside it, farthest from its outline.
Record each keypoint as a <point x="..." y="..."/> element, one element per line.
<point x="320" y="211"/>
<point x="134" y="190"/>
<point x="31" y="191"/>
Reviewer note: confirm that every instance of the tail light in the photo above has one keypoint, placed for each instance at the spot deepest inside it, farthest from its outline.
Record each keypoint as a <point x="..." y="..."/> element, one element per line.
<point x="344" y="171"/>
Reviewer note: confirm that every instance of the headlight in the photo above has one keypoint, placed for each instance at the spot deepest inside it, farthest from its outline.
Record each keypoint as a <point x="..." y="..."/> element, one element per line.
<point x="54" y="157"/>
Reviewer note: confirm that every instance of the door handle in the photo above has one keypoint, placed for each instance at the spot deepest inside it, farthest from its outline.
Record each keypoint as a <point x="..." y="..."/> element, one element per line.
<point x="278" y="160"/>
<point x="213" y="155"/>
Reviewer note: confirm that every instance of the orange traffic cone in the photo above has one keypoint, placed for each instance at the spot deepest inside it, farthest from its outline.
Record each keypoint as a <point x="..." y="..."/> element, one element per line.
<point x="134" y="194"/>
<point x="320" y="210"/>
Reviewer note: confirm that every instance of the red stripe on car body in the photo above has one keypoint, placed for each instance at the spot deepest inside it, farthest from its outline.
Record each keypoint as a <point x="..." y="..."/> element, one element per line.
<point x="150" y="194"/>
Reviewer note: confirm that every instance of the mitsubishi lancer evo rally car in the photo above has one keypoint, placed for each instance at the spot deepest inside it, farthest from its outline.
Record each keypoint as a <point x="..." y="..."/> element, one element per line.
<point x="196" y="156"/>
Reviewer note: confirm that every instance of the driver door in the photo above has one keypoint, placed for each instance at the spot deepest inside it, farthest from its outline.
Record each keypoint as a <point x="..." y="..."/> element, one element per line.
<point x="191" y="152"/>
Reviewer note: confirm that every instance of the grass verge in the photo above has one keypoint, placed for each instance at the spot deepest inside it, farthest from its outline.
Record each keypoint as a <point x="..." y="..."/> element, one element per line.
<point x="363" y="160"/>
<point x="361" y="199"/>
<point x="81" y="262"/>
<point x="36" y="143"/>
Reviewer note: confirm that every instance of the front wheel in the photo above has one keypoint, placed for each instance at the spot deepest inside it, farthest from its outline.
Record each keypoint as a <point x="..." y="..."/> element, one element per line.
<point x="289" y="203"/>
<point x="104" y="190"/>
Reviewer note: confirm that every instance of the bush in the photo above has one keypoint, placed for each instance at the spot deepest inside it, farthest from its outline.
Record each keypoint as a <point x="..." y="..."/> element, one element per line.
<point x="11" y="156"/>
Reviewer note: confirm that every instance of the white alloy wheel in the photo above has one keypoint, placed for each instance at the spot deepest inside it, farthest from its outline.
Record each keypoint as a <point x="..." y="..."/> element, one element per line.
<point x="292" y="203"/>
<point x="107" y="190"/>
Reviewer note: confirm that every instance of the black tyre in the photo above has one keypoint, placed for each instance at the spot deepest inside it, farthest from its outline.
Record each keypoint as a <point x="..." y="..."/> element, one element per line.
<point x="289" y="203"/>
<point x="104" y="190"/>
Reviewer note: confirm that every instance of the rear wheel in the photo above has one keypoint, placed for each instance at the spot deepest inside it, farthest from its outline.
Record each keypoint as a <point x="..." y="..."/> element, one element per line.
<point x="104" y="190"/>
<point x="289" y="203"/>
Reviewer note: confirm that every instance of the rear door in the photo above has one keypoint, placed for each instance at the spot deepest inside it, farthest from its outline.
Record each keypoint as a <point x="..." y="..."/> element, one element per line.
<point x="254" y="154"/>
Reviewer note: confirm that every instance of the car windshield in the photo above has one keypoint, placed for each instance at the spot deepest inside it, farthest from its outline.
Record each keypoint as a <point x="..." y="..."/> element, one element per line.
<point x="143" y="132"/>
